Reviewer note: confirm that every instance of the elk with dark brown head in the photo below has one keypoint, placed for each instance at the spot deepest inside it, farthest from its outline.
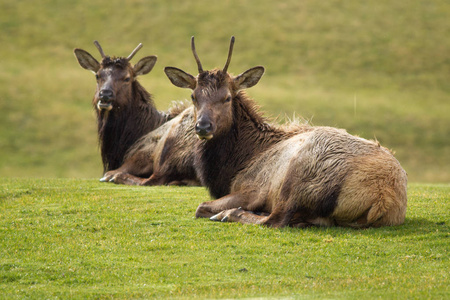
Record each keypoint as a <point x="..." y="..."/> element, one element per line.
<point x="292" y="175"/>
<point x="125" y="110"/>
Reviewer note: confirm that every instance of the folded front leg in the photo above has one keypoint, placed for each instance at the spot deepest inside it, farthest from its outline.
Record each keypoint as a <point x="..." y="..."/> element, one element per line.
<point x="128" y="179"/>
<point x="239" y="215"/>
<point x="279" y="216"/>
<point x="109" y="175"/>
<point x="211" y="208"/>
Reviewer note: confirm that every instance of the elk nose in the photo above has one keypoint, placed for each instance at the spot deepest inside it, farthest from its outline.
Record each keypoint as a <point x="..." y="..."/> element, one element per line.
<point x="106" y="95"/>
<point x="203" y="128"/>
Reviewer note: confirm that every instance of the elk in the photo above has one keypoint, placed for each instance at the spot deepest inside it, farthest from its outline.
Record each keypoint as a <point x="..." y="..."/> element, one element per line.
<point x="291" y="175"/>
<point x="166" y="152"/>
<point x="125" y="110"/>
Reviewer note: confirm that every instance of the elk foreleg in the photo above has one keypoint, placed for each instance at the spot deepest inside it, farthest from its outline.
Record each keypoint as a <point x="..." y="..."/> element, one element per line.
<point x="127" y="174"/>
<point x="243" y="208"/>
<point x="139" y="164"/>
<point x="127" y="179"/>
<point x="109" y="175"/>
<point x="211" y="208"/>
<point x="239" y="215"/>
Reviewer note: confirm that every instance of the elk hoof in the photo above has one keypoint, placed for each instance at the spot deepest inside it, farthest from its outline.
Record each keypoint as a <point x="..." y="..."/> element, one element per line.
<point x="216" y="217"/>
<point x="220" y="217"/>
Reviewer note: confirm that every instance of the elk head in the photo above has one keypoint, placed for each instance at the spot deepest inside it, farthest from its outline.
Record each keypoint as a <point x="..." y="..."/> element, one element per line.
<point x="214" y="93"/>
<point x="115" y="76"/>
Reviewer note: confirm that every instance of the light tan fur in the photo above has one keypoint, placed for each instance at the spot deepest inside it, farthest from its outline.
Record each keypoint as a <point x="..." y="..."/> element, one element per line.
<point x="373" y="191"/>
<point x="378" y="186"/>
<point x="164" y="153"/>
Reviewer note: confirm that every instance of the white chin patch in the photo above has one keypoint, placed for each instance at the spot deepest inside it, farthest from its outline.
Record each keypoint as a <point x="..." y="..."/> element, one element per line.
<point x="104" y="106"/>
<point x="205" y="137"/>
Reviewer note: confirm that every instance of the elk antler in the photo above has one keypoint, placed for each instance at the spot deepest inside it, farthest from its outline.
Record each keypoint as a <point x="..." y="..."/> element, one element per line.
<point x="230" y="51"/>
<point x="99" y="49"/>
<point x="199" y="64"/>
<point x="134" y="51"/>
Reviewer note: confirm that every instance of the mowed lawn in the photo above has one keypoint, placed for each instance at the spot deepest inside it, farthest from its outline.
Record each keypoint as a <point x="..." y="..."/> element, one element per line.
<point x="379" y="69"/>
<point x="79" y="238"/>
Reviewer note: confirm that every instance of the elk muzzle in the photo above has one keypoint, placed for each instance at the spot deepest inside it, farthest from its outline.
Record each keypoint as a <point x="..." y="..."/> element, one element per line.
<point x="105" y="99"/>
<point x="203" y="128"/>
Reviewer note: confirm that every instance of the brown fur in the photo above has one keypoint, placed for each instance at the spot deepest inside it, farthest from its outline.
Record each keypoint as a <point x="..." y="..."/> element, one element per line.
<point x="130" y="113"/>
<point x="218" y="161"/>
<point x="297" y="176"/>
<point x="121" y="127"/>
<point x="166" y="153"/>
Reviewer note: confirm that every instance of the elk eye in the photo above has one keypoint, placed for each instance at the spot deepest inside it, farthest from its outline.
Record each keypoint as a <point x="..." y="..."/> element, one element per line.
<point x="127" y="79"/>
<point x="193" y="98"/>
<point x="97" y="77"/>
<point x="227" y="99"/>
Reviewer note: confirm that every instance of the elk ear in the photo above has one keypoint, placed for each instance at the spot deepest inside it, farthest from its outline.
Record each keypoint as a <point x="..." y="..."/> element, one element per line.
<point x="86" y="60"/>
<point x="180" y="78"/>
<point x="249" y="78"/>
<point x="145" y="65"/>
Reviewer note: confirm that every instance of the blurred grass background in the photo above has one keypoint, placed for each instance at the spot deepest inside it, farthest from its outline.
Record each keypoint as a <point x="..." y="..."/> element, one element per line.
<point x="379" y="69"/>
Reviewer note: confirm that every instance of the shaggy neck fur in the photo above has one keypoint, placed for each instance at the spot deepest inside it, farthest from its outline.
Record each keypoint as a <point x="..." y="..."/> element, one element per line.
<point x="220" y="159"/>
<point x="121" y="127"/>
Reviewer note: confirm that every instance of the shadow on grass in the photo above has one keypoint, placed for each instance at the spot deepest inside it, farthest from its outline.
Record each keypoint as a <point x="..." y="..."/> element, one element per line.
<point x="412" y="227"/>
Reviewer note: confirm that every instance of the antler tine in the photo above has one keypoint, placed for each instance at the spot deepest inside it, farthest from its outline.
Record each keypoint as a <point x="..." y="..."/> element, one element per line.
<point x="199" y="64"/>
<point x="134" y="51"/>
<point x="99" y="49"/>
<point x="230" y="51"/>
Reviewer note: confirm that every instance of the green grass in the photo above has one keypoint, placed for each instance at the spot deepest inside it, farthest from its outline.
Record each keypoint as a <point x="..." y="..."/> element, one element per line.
<point x="79" y="238"/>
<point x="380" y="69"/>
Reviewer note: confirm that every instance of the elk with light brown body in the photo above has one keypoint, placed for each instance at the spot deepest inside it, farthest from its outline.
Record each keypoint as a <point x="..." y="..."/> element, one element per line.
<point x="293" y="175"/>
<point x="167" y="150"/>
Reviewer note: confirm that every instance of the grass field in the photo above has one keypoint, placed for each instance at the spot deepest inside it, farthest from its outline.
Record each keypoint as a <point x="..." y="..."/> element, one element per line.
<point x="67" y="238"/>
<point x="380" y="69"/>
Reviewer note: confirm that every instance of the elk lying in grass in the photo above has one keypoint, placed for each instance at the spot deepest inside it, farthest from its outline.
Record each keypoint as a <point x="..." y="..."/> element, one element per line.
<point x="166" y="152"/>
<point x="125" y="110"/>
<point x="294" y="175"/>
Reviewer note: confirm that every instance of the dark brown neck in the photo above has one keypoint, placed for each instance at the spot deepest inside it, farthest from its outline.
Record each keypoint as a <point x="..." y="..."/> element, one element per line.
<point x="220" y="159"/>
<point x="120" y="128"/>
